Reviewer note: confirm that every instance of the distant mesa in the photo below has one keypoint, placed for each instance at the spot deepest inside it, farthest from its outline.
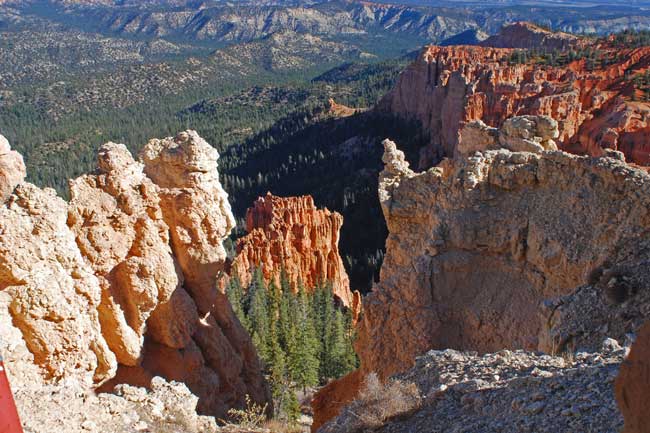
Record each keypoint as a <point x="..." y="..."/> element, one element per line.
<point x="525" y="35"/>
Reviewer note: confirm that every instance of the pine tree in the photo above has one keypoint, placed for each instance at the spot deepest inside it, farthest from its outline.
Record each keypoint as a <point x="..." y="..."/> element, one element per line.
<point x="303" y="349"/>
<point x="235" y="294"/>
<point x="258" y="316"/>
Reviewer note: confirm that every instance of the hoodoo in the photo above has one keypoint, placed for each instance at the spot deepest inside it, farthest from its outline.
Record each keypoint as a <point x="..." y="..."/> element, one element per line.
<point x="291" y="235"/>
<point x="129" y="268"/>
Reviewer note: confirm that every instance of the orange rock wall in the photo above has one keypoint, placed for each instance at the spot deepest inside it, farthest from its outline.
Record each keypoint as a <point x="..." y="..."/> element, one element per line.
<point x="120" y="284"/>
<point x="449" y="86"/>
<point x="292" y="234"/>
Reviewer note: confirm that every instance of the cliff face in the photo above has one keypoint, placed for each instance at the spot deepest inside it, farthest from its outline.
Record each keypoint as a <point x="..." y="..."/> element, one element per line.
<point x="292" y="234"/>
<point x="477" y="244"/>
<point x="129" y="268"/>
<point x="485" y="239"/>
<point x="447" y="87"/>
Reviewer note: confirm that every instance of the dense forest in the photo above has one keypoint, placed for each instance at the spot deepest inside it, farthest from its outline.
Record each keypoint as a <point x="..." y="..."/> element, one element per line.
<point x="303" y="339"/>
<point x="276" y="137"/>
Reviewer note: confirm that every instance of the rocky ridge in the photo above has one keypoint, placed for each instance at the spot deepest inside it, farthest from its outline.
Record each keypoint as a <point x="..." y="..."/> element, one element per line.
<point x="129" y="268"/>
<point x="291" y="235"/>
<point x="483" y="245"/>
<point x="593" y="100"/>
<point x="507" y="391"/>
<point x="530" y="36"/>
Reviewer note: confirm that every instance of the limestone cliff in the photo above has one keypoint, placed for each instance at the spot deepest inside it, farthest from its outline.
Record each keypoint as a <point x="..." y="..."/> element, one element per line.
<point x="124" y="276"/>
<point x="477" y="243"/>
<point x="291" y="234"/>
<point x="594" y="99"/>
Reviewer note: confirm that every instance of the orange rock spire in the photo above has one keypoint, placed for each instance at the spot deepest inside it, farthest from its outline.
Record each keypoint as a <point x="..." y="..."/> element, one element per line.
<point x="292" y="234"/>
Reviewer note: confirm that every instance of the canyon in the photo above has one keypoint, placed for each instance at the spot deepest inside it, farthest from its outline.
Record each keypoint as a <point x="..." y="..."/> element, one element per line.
<point x="512" y="289"/>
<point x="589" y="91"/>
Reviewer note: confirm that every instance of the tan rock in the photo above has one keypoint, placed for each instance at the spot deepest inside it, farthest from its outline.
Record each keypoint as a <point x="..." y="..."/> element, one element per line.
<point x="477" y="244"/>
<point x="529" y="134"/>
<point x="116" y="216"/>
<point x="54" y="293"/>
<point x="105" y="276"/>
<point x="12" y="169"/>
<point x="223" y="366"/>
<point x="194" y="206"/>
<point x="476" y="136"/>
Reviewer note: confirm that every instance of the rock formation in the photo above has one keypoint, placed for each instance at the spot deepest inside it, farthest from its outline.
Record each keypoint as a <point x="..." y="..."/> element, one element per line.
<point x="633" y="385"/>
<point x="55" y="295"/>
<point x="339" y="110"/>
<point x="477" y="244"/>
<point x="126" y="274"/>
<point x="530" y="36"/>
<point x="291" y="234"/>
<point x="592" y="99"/>
<point x="506" y="391"/>
<point x="12" y="169"/>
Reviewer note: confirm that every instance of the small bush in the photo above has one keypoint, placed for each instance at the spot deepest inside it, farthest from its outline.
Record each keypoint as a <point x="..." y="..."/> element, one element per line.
<point x="378" y="403"/>
<point x="252" y="417"/>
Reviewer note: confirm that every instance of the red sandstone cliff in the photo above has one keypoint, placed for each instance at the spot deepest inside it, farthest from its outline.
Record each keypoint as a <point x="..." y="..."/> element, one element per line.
<point x="292" y="234"/>
<point x="593" y="100"/>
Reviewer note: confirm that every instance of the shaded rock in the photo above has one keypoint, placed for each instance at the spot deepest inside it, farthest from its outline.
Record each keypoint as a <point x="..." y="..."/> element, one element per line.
<point x="507" y="391"/>
<point x="633" y="385"/>
<point x="476" y="245"/>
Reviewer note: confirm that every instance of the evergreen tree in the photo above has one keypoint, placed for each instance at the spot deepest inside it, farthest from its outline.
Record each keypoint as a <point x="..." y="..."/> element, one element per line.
<point x="303" y="349"/>
<point x="258" y="316"/>
<point x="235" y="294"/>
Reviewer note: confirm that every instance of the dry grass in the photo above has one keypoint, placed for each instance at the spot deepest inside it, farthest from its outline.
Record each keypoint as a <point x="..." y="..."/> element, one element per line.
<point x="275" y="426"/>
<point x="378" y="403"/>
